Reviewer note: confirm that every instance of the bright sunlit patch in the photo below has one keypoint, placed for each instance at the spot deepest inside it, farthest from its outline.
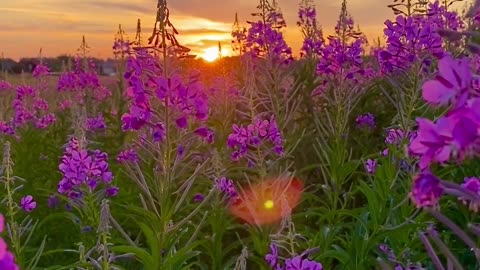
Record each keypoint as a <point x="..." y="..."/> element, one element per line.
<point x="268" y="204"/>
<point x="210" y="54"/>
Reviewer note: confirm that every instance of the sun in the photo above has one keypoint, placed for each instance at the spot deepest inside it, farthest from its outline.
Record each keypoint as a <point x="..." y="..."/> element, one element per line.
<point x="210" y="54"/>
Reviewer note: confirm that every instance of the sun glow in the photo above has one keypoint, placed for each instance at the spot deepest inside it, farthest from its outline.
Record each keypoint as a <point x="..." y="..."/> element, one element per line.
<point x="210" y="54"/>
<point x="268" y="204"/>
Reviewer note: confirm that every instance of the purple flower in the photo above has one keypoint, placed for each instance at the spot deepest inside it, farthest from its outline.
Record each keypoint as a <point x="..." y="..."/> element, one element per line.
<point x="205" y="133"/>
<point x="455" y="134"/>
<point x="8" y="262"/>
<point x="431" y="142"/>
<point x="226" y="186"/>
<point x="28" y="204"/>
<point x="180" y="152"/>
<point x="136" y="118"/>
<point x="53" y="201"/>
<point x="366" y="120"/>
<point x="409" y="40"/>
<point x="297" y="263"/>
<point x="471" y="184"/>
<point x="313" y="34"/>
<point x="158" y="133"/>
<point x="370" y="166"/>
<point x="258" y="135"/>
<point x="426" y="190"/>
<point x="451" y="85"/>
<point x="198" y="197"/>
<point x="272" y="257"/>
<point x="395" y="136"/>
<point x="128" y="155"/>
<point x="96" y="123"/>
<point x="4" y="85"/>
<point x="83" y="169"/>
<point x="112" y="191"/>
<point x="181" y="122"/>
<point x="86" y="229"/>
<point x="387" y="251"/>
<point x="40" y="70"/>
<point x="264" y="39"/>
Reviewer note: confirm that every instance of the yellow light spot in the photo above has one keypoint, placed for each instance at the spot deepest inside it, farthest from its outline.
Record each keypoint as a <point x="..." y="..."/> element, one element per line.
<point x="268" y="204"/>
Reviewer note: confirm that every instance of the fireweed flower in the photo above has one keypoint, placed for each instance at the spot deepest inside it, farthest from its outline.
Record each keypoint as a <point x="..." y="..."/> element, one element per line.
<point x="423" y="39"/>
<point x="312" y="32"/>
<point x="66" y="104"/>
<point x="129" y="155"/>
<point x="298" y="263"/>
<point x="4" y="85"/>
<point x="198" y="197"/>
<point x="272" y="257"/>
<point x="431" y="142"/>
<point x="28" y="203"/>
<point x="112" y="191"/>
<point x="394" y="136"/>
<point x="267" y="202"/>
<point x="83" y="77"/>
<point x="370" y="166"/>
<point x="412" y="39"/>
<point x="439" y="15"/>
<point x="452" y="84"/>
<point x="121" y="47"/>
<point x="53" y="201"/>
<point x="471" y="184"/>
<point x="7" y="260"/>
<point x="101" y="93"/>
<point x="387" y="251"/>
<point x="7" y="128"/>
<point x="30" y="108"/>
<point x="264" y="40"/>
<point x="186" y="100"/>
<point x="83" y="169"/>
<point x="365" y="120"/>
<point x="257" y="135"/>
<point x="206" y="133"/>
<point x="3" y="245"/>
<point x="95" y="123"/>
<point x="340" y="60"/>
<point x="40" y="70"/>
<point x="226" y="186"/>
<point x="454" y="135"/>
<point x="426" y="190"/>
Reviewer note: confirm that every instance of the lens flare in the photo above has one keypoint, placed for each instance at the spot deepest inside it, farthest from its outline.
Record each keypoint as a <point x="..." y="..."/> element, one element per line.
<point x="267" y="202"/>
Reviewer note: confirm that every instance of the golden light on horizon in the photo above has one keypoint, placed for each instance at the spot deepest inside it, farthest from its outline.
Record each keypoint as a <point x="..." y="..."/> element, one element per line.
<point x="210" y="54"/>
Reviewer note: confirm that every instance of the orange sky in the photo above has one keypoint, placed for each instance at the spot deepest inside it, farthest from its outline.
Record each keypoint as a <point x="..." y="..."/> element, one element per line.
<point x="58" y="25"/>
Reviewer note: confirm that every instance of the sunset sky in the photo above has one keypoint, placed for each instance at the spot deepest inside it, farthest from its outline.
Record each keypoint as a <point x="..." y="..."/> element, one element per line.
<point x="58" y="25"/>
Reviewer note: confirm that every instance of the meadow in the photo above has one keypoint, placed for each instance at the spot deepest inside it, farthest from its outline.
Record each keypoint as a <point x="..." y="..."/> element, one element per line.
<point x="348" y="156"/>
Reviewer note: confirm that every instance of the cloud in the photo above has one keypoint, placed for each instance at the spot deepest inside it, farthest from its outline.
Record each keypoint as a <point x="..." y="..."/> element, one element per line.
<point x="103" y="6"/>
<point x="207" y="43"/>
<point x="202" y="31"/>
<point x="221" y="11"/>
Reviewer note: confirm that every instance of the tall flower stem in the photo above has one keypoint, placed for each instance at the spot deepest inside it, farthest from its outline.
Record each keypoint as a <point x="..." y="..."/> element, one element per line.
<point x="11" y="205"/>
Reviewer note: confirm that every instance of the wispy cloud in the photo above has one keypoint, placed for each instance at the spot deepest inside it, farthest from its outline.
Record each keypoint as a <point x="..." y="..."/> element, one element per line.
<point x="140" y="7"/>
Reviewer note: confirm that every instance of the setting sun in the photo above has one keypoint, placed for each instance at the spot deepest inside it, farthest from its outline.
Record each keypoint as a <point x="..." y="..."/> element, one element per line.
<point x="210" y="54"/>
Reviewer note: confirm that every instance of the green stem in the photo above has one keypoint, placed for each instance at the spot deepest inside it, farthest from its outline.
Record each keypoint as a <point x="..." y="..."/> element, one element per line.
<point x="15" y="237"/>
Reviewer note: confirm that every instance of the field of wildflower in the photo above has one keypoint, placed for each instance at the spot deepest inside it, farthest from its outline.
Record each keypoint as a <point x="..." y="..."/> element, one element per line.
<point x="349" y="156"/>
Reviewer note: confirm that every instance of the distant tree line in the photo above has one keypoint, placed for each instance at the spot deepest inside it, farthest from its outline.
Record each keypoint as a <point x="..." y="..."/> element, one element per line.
<point x="56" y="64"/>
